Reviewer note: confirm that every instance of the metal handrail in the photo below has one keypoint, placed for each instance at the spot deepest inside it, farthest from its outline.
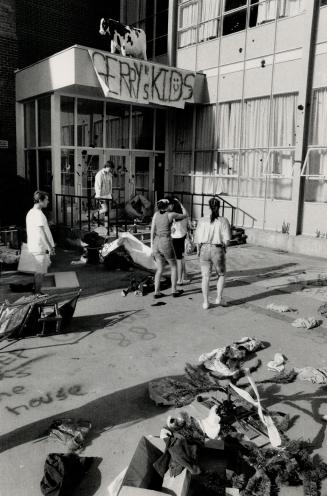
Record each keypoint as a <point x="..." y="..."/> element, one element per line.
<point x="68" y="200"/>
<point x="196" y="199"/>
<point x="225" y="204"/>
<point x="312" y="148"/>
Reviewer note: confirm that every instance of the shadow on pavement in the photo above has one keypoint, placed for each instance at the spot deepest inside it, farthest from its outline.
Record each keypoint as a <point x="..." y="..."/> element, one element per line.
<point x="130" y="405"/>
<point x="91" y="481"/>
<point x="272" y="395"/>
<point x="86" y="324"/>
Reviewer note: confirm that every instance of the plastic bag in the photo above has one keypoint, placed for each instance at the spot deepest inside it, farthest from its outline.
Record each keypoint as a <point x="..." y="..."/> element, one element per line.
<point x="189" y="246"/>
<point x="27" y="262"/>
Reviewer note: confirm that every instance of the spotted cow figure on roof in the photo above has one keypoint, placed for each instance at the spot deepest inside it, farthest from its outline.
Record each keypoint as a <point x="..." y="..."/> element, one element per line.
<point x="124" y="39"/>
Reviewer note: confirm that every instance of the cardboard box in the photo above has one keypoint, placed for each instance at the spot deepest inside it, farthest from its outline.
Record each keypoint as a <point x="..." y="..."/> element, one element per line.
<point x="175" y="486"/>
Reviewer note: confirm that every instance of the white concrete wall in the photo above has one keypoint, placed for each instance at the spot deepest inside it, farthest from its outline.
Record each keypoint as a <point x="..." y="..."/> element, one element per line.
<point x="314" y="217"/>
<point x="229" y="54"/>
<point x="46" y="76"/>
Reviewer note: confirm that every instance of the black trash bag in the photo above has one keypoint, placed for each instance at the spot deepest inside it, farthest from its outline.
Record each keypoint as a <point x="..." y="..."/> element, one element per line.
<point x="92" y="255"/>
<point x="63" y="473"/>
<point x="118" y="259"/>
<point x="93" y="239"/>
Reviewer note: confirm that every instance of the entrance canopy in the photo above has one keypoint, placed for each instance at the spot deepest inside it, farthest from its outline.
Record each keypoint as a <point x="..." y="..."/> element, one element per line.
<point x="90" y="72"/>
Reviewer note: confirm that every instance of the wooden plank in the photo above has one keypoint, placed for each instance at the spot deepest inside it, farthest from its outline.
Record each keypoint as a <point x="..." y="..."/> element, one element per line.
<point x="61" y="280"/>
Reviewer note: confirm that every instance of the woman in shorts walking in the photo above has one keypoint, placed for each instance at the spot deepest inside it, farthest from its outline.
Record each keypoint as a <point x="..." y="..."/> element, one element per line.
<point x="212" y="236"/>
<point x="162" y="246"/>
<point x="179" y="232"/>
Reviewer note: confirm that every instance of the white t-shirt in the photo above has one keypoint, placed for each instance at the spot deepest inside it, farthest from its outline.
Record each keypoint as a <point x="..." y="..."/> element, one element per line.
<point x="179" y="227"/>
<point x="217" y="232"/>
<point x="103" y="184"/>
<point x="35" y="219"/>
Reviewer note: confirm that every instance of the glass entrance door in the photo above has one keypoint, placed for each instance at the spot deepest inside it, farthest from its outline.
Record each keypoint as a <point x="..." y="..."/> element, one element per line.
<point x="120" y="180"/>
<point x="142" y="170"/>
<point x="88" y="164"/>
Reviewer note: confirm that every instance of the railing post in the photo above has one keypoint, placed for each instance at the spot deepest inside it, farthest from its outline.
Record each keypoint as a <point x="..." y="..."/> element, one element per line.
<point x="64" y="213"/>
<point x="89" y="212"/>
<point x="108" y="213"/>
<point x="71" y="212"/>
<point x="80" y="212"/>
<point x="116" y="221"/>
<point x="57" y="208"/>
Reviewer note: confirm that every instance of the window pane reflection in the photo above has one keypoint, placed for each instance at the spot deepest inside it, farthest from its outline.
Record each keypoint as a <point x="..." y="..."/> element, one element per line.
<point x="160" y="129"/>
<point x="117" y="126"/>
<point x="89" y="123"/>
<point x="30" y="168"/>
<point x="67" y="120"/>
<point x="29" y="124"/>
<point x="142" y="128"/>
<point x="44" y="121"/>
<point x="67" y="172"/>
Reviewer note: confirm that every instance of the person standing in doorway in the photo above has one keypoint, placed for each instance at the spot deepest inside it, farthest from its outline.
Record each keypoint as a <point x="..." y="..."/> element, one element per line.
<point x="162" y="246"/>
<point x="103" y="185"/>
<point x="212" y="236"/>
<point x="179" y="231"/>
<point x="40" y="242"/>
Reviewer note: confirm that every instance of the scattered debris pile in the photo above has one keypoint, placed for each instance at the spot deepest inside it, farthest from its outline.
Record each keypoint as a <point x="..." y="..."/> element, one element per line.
<point x="63" y="472"/>
<point x="258" y="455"/>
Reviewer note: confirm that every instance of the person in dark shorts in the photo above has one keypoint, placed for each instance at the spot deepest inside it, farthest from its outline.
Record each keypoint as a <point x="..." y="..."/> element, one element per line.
<point x="212" y="236"/>
<point x="162" y="246"/>
<point x="179" y="231"/>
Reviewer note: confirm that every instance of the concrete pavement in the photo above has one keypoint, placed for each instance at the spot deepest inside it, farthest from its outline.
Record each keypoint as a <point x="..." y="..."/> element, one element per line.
<point x="100" y="369"/>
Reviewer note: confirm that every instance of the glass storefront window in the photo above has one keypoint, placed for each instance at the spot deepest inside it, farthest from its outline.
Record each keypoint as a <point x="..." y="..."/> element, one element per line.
<point x="234" y="22"/>
<point x="234" y="4"/>
<point x="89" y="123"/>
<point x="119" y="178"/>
<point x="184" y="129"/>
<point x="67" y="120"/>
<point x="44" y="121"/>
<point x="45" y="172"/>
<point x="160" y="129"/>
<point x="117" y="126"/>
<point x="29" y="124"/>
<point x="67" y="172"/>
<point x="161" y="32"/>
<point x="142" y="128"/>
<point x="30" y="168"/>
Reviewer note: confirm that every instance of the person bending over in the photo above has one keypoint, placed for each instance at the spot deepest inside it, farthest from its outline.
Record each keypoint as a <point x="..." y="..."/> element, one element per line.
<point x="212" y="236"/>
<point x="162" y="246"/>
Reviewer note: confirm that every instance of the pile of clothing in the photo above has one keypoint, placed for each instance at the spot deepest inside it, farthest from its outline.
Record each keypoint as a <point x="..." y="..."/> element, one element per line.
<point x="63" y="472"/>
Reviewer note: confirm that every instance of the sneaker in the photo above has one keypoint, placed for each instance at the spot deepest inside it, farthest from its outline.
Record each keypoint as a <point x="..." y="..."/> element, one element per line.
<point x="178" y="293"/>
<point x="221" y="303"/>
<point x="158" y="295"/>
<point x="205" y="306"/>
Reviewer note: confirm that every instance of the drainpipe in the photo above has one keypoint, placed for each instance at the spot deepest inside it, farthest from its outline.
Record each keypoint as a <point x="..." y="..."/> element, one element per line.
<point x="310" y="26"/>
<point x="172" y="32"/>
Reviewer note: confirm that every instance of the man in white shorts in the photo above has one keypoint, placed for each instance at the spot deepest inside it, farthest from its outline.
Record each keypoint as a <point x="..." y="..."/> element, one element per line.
<point x="40" y="243"/>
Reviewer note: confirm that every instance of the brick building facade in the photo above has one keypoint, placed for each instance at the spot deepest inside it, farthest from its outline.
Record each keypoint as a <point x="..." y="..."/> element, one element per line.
<point x="31" y="30"/>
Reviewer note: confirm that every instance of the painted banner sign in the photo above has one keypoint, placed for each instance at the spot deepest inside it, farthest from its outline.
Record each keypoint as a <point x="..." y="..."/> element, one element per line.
<point x="135" y="80"/>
